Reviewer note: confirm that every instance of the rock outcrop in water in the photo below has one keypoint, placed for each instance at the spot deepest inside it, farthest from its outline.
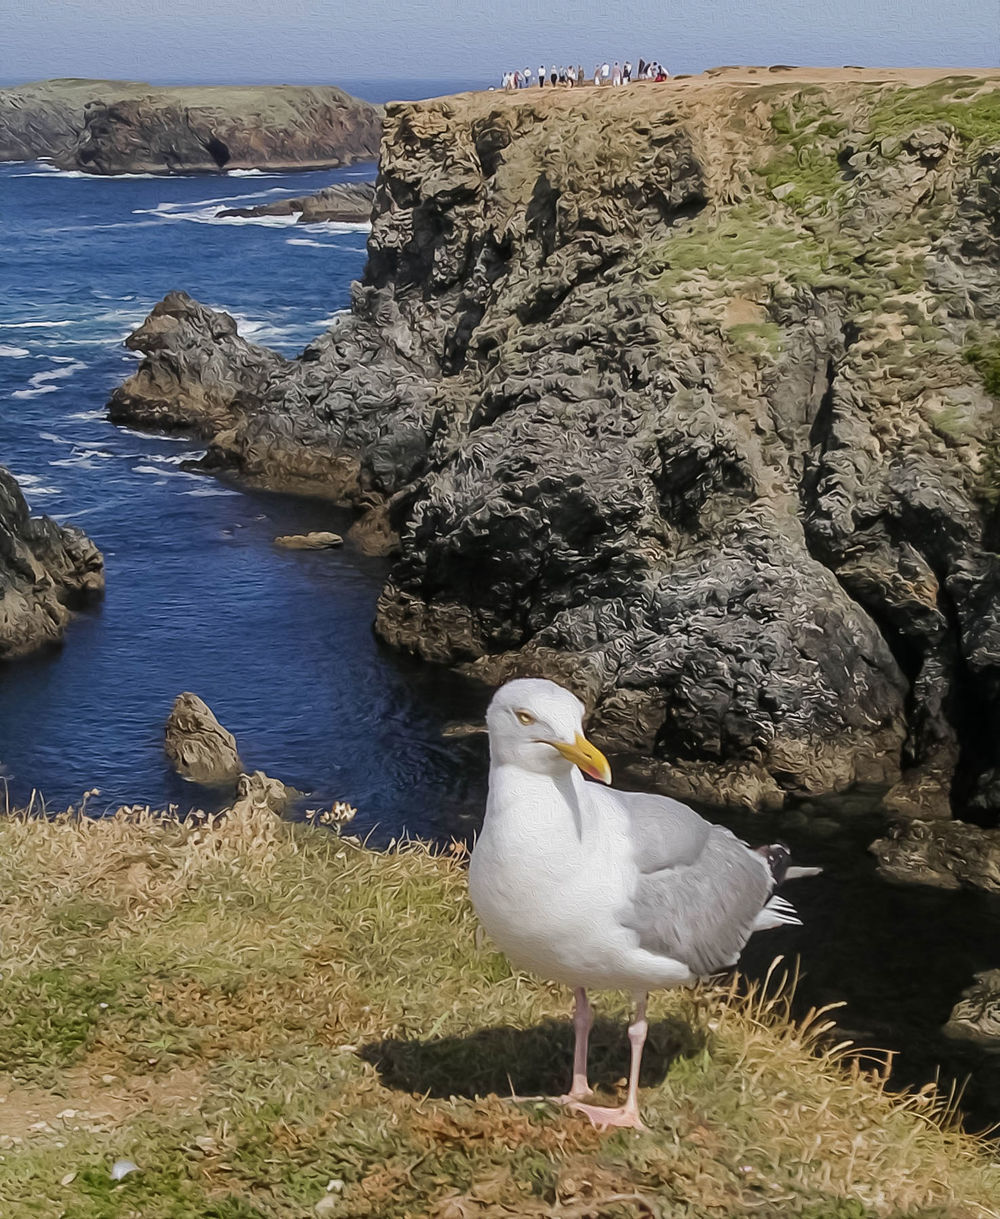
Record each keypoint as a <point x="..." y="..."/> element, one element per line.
<point x="45" y="571"/>
<point x="343" y="203"/>
<point x="685" y="395"/>
<point x="117" y="127"/>
<point x="198" y="746"/>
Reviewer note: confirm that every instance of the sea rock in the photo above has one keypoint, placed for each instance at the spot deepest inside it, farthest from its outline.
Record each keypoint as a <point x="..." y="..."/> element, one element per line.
<point x="116" y="127"/>
<point x="629" y="413"/>
<point x="947" y="854"/>
<point x="976" y="1016"/>
<point x="198" y="746"/>
<point x="46" y="570"/>
<point x="345" y="203"/>
<point x="309" y="541"/>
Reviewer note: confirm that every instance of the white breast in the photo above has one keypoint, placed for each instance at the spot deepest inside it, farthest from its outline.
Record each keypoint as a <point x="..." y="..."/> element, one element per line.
<point x="549" y="885"/>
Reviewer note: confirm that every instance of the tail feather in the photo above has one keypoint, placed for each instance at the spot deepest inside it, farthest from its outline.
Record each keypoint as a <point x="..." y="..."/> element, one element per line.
<point x="777" y="913"/>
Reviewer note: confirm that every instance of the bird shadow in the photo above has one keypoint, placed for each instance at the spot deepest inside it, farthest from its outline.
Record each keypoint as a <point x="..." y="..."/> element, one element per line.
<point x="525" y="1062"/>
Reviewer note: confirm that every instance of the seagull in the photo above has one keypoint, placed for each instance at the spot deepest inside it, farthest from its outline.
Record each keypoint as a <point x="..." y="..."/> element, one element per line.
<point x="598" y="888"/>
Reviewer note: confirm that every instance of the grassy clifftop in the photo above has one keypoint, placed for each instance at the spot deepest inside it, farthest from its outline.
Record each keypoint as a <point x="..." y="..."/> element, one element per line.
<point x="271" y="1021"/>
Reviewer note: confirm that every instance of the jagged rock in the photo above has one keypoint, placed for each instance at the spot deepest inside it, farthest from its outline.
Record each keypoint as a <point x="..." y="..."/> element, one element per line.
<point x="116" y="127"/>
<point x="198" y="746"/>
<point x="45" y="571"/>
<point x="947" y="854"/>
<point x="976" y="1016"/>
<point x="261" y="791"/>
<point x="309" y="541"/>
<point x="345" y="202"/>
<point x="722" y="461"/>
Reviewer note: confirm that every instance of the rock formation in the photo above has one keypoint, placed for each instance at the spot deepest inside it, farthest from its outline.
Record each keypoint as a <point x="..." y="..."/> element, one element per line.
<point x="45" y="571"/>
<point x="317" y="540"/>
<point x="344" y="202"/>
<point x="946" y="854"/>
<point x="198" y="746"/>
<point x="683" y="394"/>
<point x="976" y="1016"/>
<point x="116" y="127"/>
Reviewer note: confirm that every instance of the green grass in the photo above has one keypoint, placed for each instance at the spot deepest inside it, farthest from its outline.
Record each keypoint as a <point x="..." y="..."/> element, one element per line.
<point x="984" y="357"/>
<point x="287" y="1011"/>
<point x="976" y="119"/>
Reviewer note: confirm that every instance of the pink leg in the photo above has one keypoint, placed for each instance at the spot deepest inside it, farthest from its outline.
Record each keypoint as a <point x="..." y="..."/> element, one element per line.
<point x="628" y="1115"/>
<point x="583" y="1019"/>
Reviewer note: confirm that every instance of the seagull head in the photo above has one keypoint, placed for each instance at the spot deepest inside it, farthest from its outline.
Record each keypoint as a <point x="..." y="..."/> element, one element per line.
<point x="538" y="725"/>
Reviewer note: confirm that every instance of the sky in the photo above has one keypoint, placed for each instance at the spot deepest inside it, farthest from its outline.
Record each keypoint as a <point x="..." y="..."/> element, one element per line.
<point x="305" y="41"/>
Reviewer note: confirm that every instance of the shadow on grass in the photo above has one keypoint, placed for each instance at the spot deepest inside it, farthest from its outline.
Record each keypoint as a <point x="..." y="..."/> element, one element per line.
<point x="528" y="1062"/>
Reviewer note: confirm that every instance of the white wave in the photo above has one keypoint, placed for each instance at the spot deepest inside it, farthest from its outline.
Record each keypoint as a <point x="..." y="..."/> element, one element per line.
<point x="89" y="416"/>
<point x="208" y="215"/>
<point x="49" y="171"/>
<point x="248" y="173"/>
<point x="175" y="459"/>
<point x="160" y="472"/>
<point x="32" y="485"/>
<point x="52" y="438"/>
<point x="13" y="353"/>
<point x="32" y="325"/>
<point x="39" y="382"/>
<point x="257" y="330"/>
<point x="339" y="226"/>
<point x="203" y="491"/>
<point x="83" y="459"/>
<point x="159" y="436"/>
<point x="34" y="393"/>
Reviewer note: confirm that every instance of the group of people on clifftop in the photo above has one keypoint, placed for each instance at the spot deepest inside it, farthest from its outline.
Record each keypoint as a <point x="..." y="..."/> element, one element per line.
<point x="569" y="76"/>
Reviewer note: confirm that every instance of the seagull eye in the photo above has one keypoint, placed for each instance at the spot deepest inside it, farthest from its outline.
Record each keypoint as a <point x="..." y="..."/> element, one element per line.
<point x="524" y="717"/>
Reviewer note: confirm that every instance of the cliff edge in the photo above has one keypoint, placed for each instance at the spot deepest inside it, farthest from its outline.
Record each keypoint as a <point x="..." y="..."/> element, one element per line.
<point x="683" y="394"/>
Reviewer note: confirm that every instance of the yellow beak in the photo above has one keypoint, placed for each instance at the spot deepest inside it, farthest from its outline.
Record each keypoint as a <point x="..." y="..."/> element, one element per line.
<point x="581" y="753"/>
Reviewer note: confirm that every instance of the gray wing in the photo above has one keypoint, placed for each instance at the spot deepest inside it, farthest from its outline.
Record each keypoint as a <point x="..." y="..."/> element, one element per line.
<point x="699" y="890"/>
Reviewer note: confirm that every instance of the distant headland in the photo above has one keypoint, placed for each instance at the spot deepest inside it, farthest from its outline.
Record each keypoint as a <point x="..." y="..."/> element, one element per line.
<point x="118" y="127"/>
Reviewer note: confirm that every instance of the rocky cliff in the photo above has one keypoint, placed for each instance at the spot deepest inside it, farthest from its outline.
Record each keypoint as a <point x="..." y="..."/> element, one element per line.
<point x="685" y="394"/>
<point x="45" y="570"/>
<point x="115" y="127"/>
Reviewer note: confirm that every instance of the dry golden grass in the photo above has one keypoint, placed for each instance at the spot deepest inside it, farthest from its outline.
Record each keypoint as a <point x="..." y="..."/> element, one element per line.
<point x="272" y="1021"/>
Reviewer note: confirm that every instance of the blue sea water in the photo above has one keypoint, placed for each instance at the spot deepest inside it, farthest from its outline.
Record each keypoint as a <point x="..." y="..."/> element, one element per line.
<point x="279" y="643"/>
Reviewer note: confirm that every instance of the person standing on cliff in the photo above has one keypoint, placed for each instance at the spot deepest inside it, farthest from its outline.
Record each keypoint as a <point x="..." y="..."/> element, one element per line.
<point x="627" y="72"/>
<point x="526" y="78"/>
<point x="553" y="76"/>
<point x="541" y="77"/>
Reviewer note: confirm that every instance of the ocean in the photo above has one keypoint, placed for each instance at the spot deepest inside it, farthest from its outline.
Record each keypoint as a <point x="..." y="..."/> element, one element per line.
<point x="278" y="643"/>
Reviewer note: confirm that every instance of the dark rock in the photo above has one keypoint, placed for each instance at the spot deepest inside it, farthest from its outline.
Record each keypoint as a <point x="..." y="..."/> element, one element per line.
<point x="116" y="127"/>
<point x="947" y="854"/>
<point x="45" y="571"/>
<point x="714" y="459"/>
<point x="345" y="202"/>
<point x="976" y="1016"/>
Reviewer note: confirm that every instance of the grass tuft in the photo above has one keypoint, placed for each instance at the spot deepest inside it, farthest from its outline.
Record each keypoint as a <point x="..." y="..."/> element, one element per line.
<point x="297" y="1026"/>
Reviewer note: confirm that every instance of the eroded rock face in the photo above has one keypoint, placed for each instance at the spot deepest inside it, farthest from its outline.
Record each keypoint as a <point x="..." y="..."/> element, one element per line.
<point x="673" y="394"/>
<point x="116" y="127"/>
<point x="198" y="746"/>
<point x="46" y="570"/>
